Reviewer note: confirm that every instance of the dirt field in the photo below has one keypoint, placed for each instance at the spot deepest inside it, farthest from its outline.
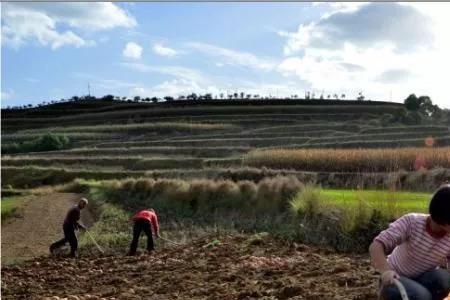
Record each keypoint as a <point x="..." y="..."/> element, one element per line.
<point x="233" y="267"/>
<point x="41" y="224"/>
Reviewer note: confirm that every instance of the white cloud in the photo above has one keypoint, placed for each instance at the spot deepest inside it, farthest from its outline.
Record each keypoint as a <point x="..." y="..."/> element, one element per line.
<point x="6" y="95"/>
<point x="186" y="81"/>
<point x="394" y="76"/>
<point x="340" y="6"/>
<point x="164" y="51"/>
<point x="88" y="15"/>
<point x="175" y="71"/>
<point x="105" y="85"/>
<point x="348" y="50"/>
<point x="132" y="50"/>
<point x="21" y="26"/>
<point x="26" y="22"/>
<point x="233" y="57"/>
<point x="403" y="27"/>
<point x="113" y="84"/>
<point x="178" y="87"/>
<point x="174" y="88"/>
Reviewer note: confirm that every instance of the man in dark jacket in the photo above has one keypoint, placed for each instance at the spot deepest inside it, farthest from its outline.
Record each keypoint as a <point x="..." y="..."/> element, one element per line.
<point x="144" y="220"/>
<point x="69" y="226"/>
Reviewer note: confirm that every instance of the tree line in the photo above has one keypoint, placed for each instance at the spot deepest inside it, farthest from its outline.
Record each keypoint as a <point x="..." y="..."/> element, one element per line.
<point x="193" y="96"/>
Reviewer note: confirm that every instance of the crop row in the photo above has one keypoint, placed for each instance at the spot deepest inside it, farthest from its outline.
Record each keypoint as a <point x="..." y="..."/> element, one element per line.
<point x="141" y="127"/>
<point x="26" y="177"/>
<point x="207" y="152"/>
<point x="399" y="136"/>
<point x="338" y="141"/>
<point x="125" y="163"/>
<point x="350" y="160"/>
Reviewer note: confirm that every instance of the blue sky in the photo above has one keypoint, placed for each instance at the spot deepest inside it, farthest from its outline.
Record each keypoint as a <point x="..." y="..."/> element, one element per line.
<point x="386" y="50"/>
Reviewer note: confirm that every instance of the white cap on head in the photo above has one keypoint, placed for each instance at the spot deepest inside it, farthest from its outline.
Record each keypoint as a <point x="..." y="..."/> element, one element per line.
<point x="84" y="200"/>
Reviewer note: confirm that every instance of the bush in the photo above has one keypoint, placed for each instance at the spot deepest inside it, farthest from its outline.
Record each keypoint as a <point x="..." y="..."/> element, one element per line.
<point x="307" y="202"/>
<point x="412" y="118"/>
<point x="387" y="119"/>
<point x="202" y="198"/>
<point x="51" y="142"/>
<point x="47" y="142"/>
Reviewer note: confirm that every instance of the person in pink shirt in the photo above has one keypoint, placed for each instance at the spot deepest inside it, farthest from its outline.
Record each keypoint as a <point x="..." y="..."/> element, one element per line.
<point x="144" y="220"/>
<point x="418" y="247"/>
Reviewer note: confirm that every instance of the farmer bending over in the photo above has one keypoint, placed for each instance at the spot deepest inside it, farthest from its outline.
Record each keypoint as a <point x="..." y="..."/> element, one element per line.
<point x="69" y="226"/>
<point x="420" y="244"/>
<point x="143" y="221"/>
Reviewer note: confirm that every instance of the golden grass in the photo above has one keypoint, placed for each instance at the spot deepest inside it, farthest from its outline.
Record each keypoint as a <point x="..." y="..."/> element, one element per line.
<point x="351" y="160"/>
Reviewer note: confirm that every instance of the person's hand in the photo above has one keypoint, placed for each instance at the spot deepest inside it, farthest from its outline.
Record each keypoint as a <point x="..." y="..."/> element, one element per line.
<point x="388" y="277"/>
<point x="157" y="235"/>
<point x="81" y="227"/>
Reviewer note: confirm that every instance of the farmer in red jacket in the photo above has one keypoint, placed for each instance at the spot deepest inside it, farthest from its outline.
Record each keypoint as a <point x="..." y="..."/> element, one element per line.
<point x="144" y="220"/>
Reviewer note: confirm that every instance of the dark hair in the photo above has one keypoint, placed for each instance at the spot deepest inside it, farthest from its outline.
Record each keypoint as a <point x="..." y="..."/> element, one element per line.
<point x="440" y="205"/>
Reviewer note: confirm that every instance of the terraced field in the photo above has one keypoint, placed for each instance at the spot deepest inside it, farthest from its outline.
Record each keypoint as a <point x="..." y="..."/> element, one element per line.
<point x="201" y="140"/>
<point x="232" y="168"/>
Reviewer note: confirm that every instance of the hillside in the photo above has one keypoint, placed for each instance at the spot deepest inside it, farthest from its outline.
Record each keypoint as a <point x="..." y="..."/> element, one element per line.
<point x="197" y="139"/>
<point x="219" y="176"/>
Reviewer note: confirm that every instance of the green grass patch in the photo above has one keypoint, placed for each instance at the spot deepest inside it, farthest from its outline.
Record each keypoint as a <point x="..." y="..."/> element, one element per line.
<point x="350" y="219"/>
<point x="11" y="207"/>
<point x="388" y="202"/>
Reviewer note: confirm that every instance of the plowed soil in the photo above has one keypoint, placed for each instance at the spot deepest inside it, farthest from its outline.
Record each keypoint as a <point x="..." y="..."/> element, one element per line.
<point x="237" y="267"/>
<point x="39" y="225"/>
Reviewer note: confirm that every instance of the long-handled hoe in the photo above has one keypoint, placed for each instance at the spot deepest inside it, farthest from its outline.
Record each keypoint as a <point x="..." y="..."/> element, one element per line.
<point x="95" y="242"/>
<point x="164" y="239"/>
<point x="401" y="288"/>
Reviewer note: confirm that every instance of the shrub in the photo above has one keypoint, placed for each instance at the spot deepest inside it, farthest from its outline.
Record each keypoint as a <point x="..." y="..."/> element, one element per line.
<point x="179" y="198"/>
<point x="47" y="142"/>
<point x="412" y="118"/>
<point x="308" y="202"/>
<point x="387" y="119"/>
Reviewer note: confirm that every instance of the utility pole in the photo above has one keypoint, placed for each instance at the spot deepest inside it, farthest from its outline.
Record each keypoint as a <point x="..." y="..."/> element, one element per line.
<point x="89" y="89"/>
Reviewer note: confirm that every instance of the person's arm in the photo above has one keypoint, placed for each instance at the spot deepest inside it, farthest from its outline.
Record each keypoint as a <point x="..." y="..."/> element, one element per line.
<point x="379" y="262"/>
<point x="155" y="225"/>
<point x="133" y="216"/>
<point x="397" y="233"/>
<point x="81" y="226"/>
